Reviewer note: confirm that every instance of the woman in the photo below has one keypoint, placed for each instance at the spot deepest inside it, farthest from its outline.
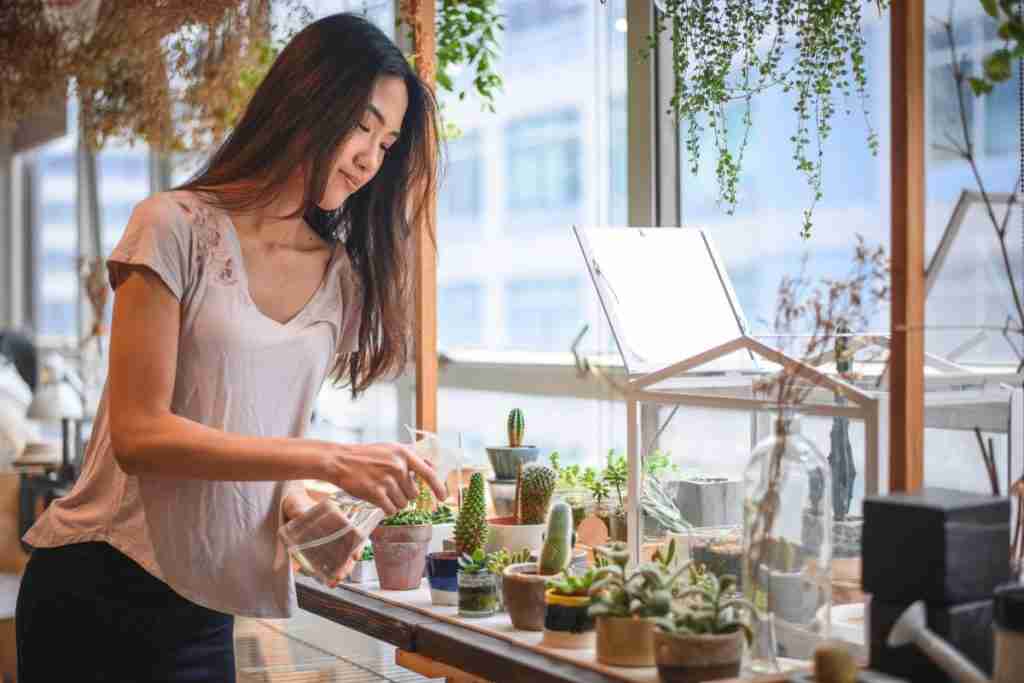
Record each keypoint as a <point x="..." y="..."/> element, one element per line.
<point x="282" y="262"/>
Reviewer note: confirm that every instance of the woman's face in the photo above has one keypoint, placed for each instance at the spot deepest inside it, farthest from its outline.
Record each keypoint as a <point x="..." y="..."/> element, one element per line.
<point x="361" y="154"/>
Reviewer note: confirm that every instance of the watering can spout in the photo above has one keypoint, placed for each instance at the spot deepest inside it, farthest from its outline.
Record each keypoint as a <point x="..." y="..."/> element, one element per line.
<point x="912" y="628"/>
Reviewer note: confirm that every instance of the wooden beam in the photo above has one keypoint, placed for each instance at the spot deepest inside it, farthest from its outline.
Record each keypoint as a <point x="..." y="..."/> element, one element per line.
<point x="420" y="15"/>
<point x="906" y="445"/>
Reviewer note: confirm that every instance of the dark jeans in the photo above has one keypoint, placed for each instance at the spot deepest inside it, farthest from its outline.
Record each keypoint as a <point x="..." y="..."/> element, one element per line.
<point x="86" y="612"/>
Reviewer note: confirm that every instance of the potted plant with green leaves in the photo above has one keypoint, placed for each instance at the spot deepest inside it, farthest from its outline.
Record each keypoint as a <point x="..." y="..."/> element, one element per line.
<point x="594" y="482"/>
<point x="625" y="602"/>
<point x="701" y="638"/>
<point x="400" y="545"/>
<point x="506" y="460"/>
<point x="442" y="520"/>
<point x="498" y="562"/>
<point x="616" y="475"/>
<point x="535" y="487"/>
<point x="478" y="591"/>
<point x="568" y="624"/>
<point x="524" y="584"/>
<point x="570" y="487"/>
<point x="470" y="535"/>
<point x="792" y="594"/>
<point x="364" y="570"/>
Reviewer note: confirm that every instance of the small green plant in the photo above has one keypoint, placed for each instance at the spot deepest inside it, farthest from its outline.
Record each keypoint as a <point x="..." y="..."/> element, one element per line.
<point x="646" y="592"/>
<point x="536" y="487"/>
<point x="658" y="464"/>
<point x="502" y="559"/>
<point x="442" y="515"/>
<point x="569" y="477"/>
<point x="556" y="553"/>
<point x="710" y="606"/>
<point x="570" y="584"/>
<point x="475" y="562"/>
<point x="516" y="428"/>
<point x="367" y="555"/>
<point x="616" y="474"/>
<point x="407" y="517"/>
<point x="471" y="528"/>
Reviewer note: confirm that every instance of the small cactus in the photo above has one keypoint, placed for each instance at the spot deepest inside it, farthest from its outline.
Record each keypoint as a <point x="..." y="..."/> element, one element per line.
<point x="471" y="527"/>
<point x="535" y="491"/>
<point x="516" y="428"/>
<point x="557" y="549"/>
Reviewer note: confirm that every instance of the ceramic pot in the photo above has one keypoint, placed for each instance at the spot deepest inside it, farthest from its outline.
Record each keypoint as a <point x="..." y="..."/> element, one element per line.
<point x="524" y="592"/>
<point x="503" y="495"/>
<point x="618" y="527"/>
<point x="692" y="659"/>
<point x="442" y="570"/>
<point x="478" y="594"/>
<point x="567" y="622"/>
<point x="792" y="596"/>
<point x="625" y="641"/>
<point x="363" y="571"/>
<point x="506" y="460"/>
<point x="401" y="555"/>
<point x="505" y="533"/>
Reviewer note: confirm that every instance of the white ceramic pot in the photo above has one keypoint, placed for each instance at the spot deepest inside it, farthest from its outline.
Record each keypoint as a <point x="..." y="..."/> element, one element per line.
<point x="514" y="537"/>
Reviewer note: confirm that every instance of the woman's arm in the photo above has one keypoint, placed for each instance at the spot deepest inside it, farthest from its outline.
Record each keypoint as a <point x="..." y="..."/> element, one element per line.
<point x="149" y="439"/>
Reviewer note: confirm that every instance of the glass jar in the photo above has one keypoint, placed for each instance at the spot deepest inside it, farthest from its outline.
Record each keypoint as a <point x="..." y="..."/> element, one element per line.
<point x="579" y="501"/>
<point x="478" y="594"/>
<point x="787" y="544"/>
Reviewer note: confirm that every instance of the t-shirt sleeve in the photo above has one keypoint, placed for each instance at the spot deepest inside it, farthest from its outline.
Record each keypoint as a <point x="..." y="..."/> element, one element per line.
<point x="159" y="238"/>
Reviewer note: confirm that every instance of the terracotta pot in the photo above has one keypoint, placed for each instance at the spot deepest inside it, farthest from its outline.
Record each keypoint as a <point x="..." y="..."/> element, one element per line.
<point x="442" y="570"/>
<point x="692" y="659"/>
<point x="505" y="533"/>
<point x="524" y="596"/>
<point x="625" y="641"/>
<point x="401" y="555"/>
<point x="567" y="623"/>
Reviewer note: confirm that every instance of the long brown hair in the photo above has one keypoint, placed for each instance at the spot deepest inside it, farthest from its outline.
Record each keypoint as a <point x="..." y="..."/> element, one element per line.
<point x="312" y="98"/>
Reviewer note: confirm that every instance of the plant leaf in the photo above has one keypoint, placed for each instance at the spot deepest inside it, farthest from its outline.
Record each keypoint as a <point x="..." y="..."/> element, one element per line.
<point x="991" y="8"/>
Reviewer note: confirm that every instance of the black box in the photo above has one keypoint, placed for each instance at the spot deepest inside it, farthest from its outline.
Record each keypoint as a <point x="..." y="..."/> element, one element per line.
<point x="967" y="627"/>
<point x="938" y="545"/>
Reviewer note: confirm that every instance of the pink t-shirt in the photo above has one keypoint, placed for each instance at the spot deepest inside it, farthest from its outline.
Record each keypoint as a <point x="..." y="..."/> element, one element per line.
<point x="213" y="542"/>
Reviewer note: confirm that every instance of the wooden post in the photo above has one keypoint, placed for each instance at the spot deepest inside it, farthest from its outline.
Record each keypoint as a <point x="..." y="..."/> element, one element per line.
<point x="419" y="14"/>
<point x="906" y="362"/>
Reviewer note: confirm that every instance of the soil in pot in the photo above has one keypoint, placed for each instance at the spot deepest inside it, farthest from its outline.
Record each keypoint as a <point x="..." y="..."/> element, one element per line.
<point x="400" y="553"/>
<point x="524" y="592"/>
<point x="693" y="659"/>
<point x="478" y="595"/>
<point x="625" y="641"/>
<point x="442" y="574"/>
<point x="567" y="622"/>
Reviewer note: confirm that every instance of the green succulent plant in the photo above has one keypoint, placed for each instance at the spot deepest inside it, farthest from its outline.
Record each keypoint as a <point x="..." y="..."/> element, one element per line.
<point x="516" y="428"/>
<point x="616" y="474"/>
<point x="570" y="584"/>
<point x="475" y="562"/>
<point x="407" y="517"/>
<point x="536" y="488"/>
<point x="367" y="555"/>
<point x="502" y="559"/>
<point x="471" y="528"/>
<point x="710" y="606"/>
<point x="442" y="515"/>
<point x="646" y="592"/>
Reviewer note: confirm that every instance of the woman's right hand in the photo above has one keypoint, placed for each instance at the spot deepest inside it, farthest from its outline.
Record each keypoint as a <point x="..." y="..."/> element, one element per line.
<point x="382" y="474"/>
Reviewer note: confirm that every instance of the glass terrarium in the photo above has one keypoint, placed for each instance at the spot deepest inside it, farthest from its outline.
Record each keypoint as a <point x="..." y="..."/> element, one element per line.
<point x="787" y="543"/>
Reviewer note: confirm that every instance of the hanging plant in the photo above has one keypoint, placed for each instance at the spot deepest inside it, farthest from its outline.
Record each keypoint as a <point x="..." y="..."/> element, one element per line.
<point x="725" y="52"/>
<point x="998" y="66"/>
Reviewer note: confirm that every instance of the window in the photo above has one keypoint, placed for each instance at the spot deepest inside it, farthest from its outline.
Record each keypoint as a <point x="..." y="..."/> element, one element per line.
<point x="543" y="315"/>
<point x="460" y="315"/>
<point x="1001" y="112"/>
<point x="460" y="196"/>
<point x="56" y="247"/>
<point x="544" y="161"/>
<point x="619" y="186"/>
<point x="945" y="129"/>
<point x="528" y="17"/>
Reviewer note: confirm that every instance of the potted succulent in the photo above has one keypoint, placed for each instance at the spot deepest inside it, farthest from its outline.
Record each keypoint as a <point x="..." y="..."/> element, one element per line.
<point x="567" y="621"/>
<point x="400" y="545"/>
<point x="442" y="522"/>
<point x="701" y="639"/>
<point x="478" y="591"/>
<point x="790" y="594"/>
<point x="570" y="487"/>
<point x="501" y="560"/>
<point x="506" y="460"/>
<point x="471" y="530"/>
<point x="524" y="584"/>
<point x="535" y="487"/>
<point x="363" y="571"/>
<point x="594" y="482"/>
<point x="616" y="475"/>
<point x="624" y="603"/>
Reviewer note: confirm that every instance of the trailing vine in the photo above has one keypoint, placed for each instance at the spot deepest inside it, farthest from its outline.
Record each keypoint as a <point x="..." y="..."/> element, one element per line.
<point x="467" y="35"/>
<point x="725" y="52"/>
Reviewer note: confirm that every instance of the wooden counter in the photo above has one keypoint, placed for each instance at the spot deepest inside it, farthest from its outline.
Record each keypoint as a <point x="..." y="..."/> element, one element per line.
<point x="488" y="648"/>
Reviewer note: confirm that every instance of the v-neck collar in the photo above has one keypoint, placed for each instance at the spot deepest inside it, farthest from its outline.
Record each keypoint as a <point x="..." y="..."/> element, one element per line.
<point x="244" y="279"/>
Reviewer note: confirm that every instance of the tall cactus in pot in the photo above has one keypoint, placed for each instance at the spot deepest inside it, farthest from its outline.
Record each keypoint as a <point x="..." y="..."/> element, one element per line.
<point x="516" y="428"/>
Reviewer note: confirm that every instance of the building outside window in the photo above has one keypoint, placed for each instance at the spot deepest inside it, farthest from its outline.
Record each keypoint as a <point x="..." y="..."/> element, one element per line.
<point x="544" y="158"/>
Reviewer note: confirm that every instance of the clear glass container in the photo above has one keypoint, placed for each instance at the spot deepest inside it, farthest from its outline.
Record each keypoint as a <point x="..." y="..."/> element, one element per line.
<point x="787" y="544"/>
